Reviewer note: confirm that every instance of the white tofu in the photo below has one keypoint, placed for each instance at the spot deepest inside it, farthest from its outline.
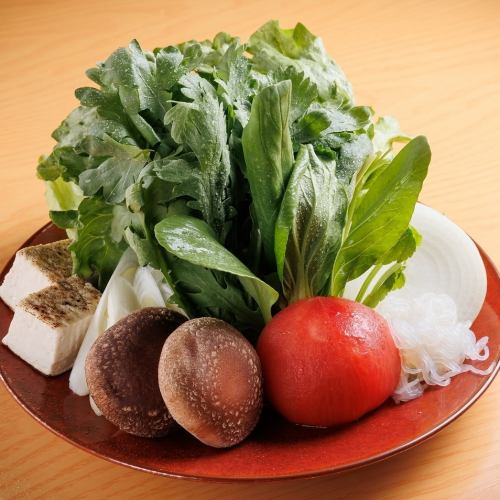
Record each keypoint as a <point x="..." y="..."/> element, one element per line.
<point x="35" y="268"/>
<point x="48" y="326"/>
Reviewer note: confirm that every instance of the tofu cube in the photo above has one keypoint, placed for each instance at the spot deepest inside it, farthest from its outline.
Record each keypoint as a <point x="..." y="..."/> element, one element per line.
<point x="48" y="326"/>
<point x="35" y="268"/>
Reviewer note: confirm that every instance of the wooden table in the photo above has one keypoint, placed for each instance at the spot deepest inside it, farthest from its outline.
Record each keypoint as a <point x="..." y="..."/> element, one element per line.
<point x="434" y="65"/>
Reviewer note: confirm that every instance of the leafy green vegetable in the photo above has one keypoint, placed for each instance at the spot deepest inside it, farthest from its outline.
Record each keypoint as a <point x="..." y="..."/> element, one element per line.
<point x="95" y="251"/>
<point x="393" y="279"/>
<point x="191" y="239"/>
<point x="321" y="120"/>
<point x="65" y="219"/>
<point x="380" y="212"/>
<point x="404" y="248"/>
<point x="226" y="299"/>
<point x="62" y="195"/>
<point x="201" y="125"/>
<point x="304" y="91"/>
<point x="309" y="226"/>
<point x="384" y="133"/>
<point x="243" y="172"/>
<point x="236" y="82"/>
<point x="274" y="48"/>
<point x="269" y="156"/>
<point x="115" y="174"/>
<point x="139" y="84"/>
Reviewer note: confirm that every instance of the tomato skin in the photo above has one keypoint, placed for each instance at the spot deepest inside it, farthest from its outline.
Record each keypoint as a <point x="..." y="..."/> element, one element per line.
<point x="327" y="361"/>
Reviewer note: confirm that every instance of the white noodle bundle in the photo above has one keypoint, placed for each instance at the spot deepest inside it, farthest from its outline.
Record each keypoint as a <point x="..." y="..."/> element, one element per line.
<point x="433" y="343"/>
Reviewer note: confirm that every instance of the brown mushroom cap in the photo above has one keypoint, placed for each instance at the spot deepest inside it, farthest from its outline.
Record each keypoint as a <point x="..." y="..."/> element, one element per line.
<point x="211" y="381"/>
<point x="122" y="371"/>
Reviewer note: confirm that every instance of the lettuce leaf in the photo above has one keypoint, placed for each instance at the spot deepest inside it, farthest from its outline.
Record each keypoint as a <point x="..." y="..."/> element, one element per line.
<point x="62" y="195"/>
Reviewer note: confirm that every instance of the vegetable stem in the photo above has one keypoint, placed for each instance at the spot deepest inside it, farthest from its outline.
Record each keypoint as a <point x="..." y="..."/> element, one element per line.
<point x="165" y="271"/>
<point x="397" y="266"/>
<point x="336" y="289"/>
<point x="367" y="282"/>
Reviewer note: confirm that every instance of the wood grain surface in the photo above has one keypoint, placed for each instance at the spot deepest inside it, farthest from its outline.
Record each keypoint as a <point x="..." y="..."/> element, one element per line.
<point x="433" y="65"/>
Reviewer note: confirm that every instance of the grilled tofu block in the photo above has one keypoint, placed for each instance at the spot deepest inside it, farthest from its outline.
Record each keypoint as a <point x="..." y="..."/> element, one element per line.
<point x="36" y="268"/>
<point x="48" y="326"/>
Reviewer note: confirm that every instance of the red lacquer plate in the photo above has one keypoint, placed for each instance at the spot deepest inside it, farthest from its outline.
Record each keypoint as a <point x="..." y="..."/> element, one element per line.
<point x="276" y="449"/>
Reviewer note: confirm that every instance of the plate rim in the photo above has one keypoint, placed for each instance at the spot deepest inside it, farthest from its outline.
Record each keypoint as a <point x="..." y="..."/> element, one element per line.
<point x="358" y="464"/>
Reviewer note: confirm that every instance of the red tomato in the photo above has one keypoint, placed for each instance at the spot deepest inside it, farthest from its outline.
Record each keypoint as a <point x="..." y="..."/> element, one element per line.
<point x="328" y="361"/>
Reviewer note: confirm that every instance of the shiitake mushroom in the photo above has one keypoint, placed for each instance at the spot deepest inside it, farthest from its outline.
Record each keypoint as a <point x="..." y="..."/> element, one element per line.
<point x="122" y="371"/>
<point x="211" y="381"/>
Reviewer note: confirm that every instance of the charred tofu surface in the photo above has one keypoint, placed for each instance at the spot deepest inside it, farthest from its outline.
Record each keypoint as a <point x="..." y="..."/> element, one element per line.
<point x="49" y="325"/>
<point x="35" y="268"/>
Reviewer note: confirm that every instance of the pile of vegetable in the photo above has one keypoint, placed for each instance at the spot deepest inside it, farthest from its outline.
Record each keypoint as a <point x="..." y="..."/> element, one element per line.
<point x="220" y="182"/>
<point x="245" y="173"/>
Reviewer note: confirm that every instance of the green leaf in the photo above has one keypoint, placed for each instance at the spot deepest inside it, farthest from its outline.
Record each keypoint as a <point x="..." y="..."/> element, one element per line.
<point x="404" y="248"/>
<point x="162" y="187"/>
<point x="322" y="119"/>
<point x="351" y="151"/>
<point x="122" y="219"/>
<point x="215" y="295"/>
<point x="83" y="122"/>
<point x="304" y="91"/>
<point x="192" y="240"/>
<point x="268" y="155"/>
<point x="61" y="195"/>
<point x="171" y="65"/>
<point x="380" y="212"/>
<point x="309" y="226"/>
<point x="184" y="174"/>
<point x="116" y="173"/>
<point x="352" y="155"/>
<point x="114" y="176"/>
<point x="49" y="169"/>
<point x="70" y="157"/>
<point x="129" y="70"/>
<point x="310" y="126"/>
<point x="142" y="246"/>
<point x="274" y="48"/>
<point x="95" y="252"/>
<point x="142" y="85"/>
<point x="211" y="52"/>
<point x="384" y="133"/>
<point x="111" y="118"/>
<point x="201" y="124"/>
<point x="393" y="279"/>
<point x="234" y="78"/>
<point x="398" y="254"/>
<point x="73" y="161"/>
<point x="64" y="219"/>
<point x="134" y="199"/>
